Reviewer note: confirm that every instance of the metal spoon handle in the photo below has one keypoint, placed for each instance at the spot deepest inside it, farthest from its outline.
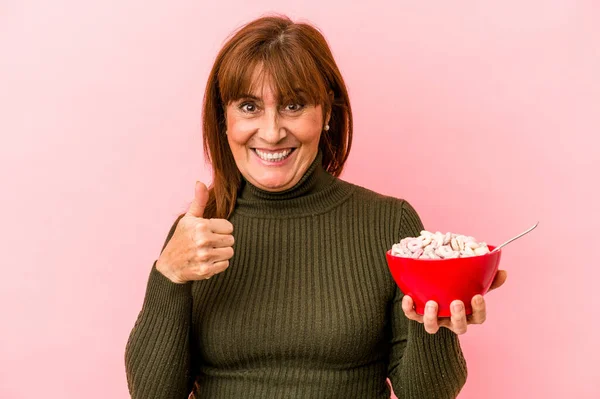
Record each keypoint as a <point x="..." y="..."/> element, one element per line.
<point x="514" y="238"/>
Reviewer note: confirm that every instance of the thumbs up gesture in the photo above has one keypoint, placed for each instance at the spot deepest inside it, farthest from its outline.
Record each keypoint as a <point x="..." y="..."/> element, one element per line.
<point x="199" y="248"/>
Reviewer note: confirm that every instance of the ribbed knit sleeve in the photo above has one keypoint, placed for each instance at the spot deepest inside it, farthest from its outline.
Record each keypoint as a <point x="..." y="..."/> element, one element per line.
<point x="422" y="365"/>
<point x="157" y="355"/>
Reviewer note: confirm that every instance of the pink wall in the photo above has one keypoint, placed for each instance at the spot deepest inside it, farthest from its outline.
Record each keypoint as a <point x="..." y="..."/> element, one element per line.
<point x="486" y="117"/>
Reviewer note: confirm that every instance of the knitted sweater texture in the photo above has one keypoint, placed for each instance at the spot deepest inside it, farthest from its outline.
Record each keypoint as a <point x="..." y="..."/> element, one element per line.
<point x="306" y="309"/>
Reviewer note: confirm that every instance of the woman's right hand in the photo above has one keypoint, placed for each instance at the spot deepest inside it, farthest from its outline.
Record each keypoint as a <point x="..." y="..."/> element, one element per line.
<point x="199" y="248"/>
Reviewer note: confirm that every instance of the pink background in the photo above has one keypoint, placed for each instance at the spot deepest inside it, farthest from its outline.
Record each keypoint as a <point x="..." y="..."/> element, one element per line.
<point x="486" y="117"/>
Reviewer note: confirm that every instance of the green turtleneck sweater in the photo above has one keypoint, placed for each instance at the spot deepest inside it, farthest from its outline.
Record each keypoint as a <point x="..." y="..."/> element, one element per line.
<point x="306" y="309"/>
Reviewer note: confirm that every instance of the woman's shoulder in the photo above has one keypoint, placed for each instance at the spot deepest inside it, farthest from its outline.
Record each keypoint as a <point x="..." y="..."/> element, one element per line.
<point x="385" y="212"/>
<point x="370" y="197"/>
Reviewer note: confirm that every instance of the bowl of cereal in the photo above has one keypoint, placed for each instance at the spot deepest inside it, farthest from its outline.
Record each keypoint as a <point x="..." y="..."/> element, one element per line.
<point x="443" y="268"/>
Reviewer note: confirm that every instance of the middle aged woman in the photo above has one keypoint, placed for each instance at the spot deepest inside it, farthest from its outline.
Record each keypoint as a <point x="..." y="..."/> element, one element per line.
<point x="305" y="306"/>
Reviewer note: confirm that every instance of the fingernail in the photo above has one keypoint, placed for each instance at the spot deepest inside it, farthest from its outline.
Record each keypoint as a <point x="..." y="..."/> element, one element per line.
<point x="478" y="300"/>
<point x="430" y="306"/>
<point x="458" y="307"/>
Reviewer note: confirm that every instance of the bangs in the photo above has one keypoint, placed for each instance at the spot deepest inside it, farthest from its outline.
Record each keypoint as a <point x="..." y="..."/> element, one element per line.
<point x="292" y="78"/>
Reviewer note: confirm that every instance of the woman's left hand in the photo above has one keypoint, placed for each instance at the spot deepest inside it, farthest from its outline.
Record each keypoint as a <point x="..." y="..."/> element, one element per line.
<point x="458" y="321"/>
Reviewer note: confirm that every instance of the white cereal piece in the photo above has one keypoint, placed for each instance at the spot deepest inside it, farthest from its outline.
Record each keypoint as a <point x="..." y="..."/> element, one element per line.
<point x="414" y="245"/>
<point x="427" y="251"/>
<point x="481" y="250"/>
<point x="461" y="242"/>
<point x="417" y="253"/>
<point x="425" y="239"/>
<point x="447" y="238"/>
<point x="453" y="255"/>
<point x="468" y="251"/>
<point x="443" y="251"/>
<point x="439" y="238"/>
<point x="454" y="244"/>
<point x="397" y="250"/>
<point x="472" y="244"/>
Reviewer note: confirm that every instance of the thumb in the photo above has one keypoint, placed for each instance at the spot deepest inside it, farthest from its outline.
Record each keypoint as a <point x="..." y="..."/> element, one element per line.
<point x="499" y="279"/>
<point x="200" y="199"/>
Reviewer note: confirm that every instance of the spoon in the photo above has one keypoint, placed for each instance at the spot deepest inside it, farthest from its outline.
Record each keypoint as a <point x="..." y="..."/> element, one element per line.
<point x="515" y="237"/>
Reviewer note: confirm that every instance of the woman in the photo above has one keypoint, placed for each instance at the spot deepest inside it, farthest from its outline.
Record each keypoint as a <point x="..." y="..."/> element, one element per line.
<point x="305" y="306"/>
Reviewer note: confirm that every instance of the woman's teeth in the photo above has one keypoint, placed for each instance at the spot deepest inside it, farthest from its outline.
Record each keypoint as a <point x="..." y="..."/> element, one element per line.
<point x="273" y="156"/>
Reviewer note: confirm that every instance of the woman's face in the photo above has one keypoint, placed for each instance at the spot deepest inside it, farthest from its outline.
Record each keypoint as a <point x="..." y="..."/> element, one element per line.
<point x="273" y="142"/>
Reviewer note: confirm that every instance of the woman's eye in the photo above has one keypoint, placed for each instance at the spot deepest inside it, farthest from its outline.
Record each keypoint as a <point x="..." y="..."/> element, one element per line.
<point x="294" y="107"/>
<point x="248" y="107"/>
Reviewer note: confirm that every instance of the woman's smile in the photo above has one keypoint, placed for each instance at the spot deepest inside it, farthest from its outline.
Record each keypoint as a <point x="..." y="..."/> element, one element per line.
<point x="273" y="157"/>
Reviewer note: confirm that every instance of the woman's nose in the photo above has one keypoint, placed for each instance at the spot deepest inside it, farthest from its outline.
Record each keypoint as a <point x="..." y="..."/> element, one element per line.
<point x="271" y="131"/>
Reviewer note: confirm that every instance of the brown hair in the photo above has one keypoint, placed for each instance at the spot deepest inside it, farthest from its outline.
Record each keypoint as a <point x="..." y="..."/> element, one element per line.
<point x="295" y="57"/>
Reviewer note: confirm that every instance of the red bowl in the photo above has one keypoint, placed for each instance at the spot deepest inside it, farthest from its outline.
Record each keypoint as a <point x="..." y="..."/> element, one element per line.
<point x="444" y="280"/>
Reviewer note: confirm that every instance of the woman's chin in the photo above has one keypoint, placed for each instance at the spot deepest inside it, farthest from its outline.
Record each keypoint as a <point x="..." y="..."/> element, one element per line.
<point x="274" y="185"/>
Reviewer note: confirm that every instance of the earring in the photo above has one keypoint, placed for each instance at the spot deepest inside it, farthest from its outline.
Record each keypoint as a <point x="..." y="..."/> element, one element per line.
<point x="326" y="127"/>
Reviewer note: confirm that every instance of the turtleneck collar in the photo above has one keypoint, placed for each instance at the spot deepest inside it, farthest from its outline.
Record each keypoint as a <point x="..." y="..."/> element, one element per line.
<point x="316" y="192"/>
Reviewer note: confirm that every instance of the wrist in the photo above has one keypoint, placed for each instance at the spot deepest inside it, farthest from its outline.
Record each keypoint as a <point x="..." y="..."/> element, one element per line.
<point x="163" y="269"/>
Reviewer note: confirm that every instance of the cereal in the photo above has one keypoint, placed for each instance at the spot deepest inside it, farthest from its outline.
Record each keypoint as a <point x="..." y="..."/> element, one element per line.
<point x="415" y="245"/>
<point x="447" y="238"/>
<point x="439" y="246"/>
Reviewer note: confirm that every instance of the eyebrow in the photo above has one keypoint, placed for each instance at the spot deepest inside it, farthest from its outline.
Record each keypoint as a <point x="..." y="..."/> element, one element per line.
<point x="248" y="96"/>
